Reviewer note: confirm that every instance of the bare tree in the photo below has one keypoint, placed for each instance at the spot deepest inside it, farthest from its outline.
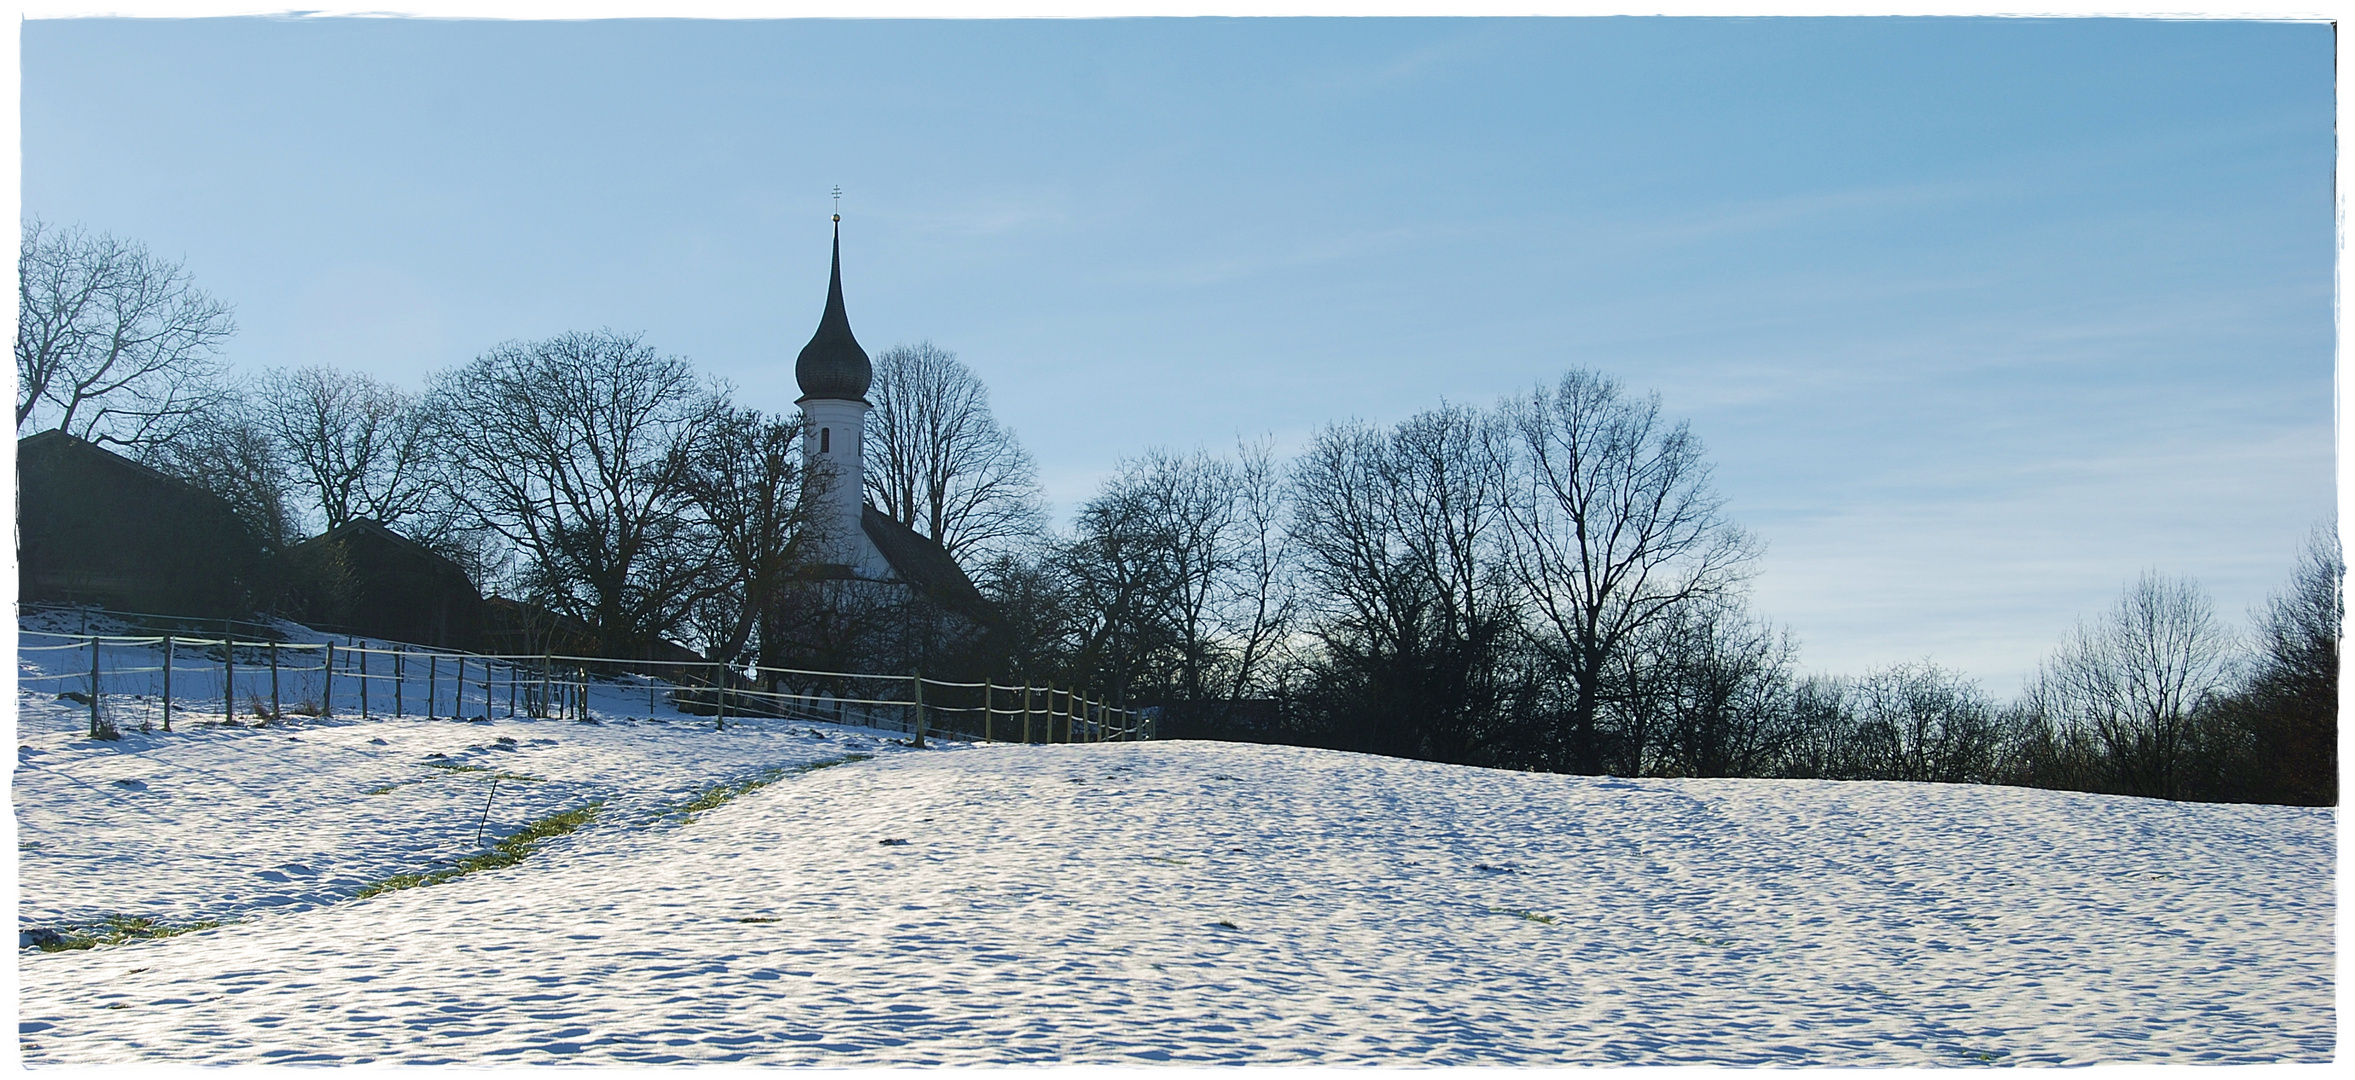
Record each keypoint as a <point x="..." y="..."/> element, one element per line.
<point x="1192" y="546"/>
<point x="2290" y="705"/>
<point x="936" y="459"/>
<point x="113" y="344"/>
<point x="1726" y="682"/>
<point x="1613" y="526"/>
<point x="578" y="450"/>
<point x="357" y="447"/>
<point x="1257" y="603"/>
<point x="228" y="450"/>
<point x="2135" y="678"/>
<point x="1117" y="572"/>
<point x="1401" y="533"/>
<point x="1921" y="722"/>
<point x="1042" y="625"/>
<point x="1186" y="509"/>
<point x="746" y="477"/>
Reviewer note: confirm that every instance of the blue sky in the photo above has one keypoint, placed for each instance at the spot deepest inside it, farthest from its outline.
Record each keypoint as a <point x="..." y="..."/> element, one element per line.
<point x="1978" y="318"/>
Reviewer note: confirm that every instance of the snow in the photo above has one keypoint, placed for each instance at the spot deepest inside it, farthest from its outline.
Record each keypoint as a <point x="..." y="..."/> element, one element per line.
<point x="1130" y="903"/>
<point x="216" y="822"/>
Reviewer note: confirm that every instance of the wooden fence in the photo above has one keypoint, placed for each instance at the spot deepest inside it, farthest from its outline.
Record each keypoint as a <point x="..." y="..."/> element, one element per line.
<point x="156" y="680"/>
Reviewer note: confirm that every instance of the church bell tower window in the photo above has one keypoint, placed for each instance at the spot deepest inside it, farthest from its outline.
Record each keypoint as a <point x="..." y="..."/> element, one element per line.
<point x="825" y="440"/>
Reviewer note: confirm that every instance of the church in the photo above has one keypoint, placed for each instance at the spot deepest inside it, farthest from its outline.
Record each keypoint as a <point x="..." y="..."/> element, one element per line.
<point x="853" y="541"/>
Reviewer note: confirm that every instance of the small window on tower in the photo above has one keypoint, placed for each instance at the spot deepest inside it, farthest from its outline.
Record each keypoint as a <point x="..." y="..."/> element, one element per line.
<point x="825" y="440"/>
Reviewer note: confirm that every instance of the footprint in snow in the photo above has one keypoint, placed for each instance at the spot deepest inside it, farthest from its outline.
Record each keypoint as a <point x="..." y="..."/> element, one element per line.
<point x="893" y="843"/>
<point x="135" y="785"/>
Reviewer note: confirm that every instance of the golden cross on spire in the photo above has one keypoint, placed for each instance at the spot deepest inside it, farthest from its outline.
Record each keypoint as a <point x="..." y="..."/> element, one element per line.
<point x="838" y="202"/>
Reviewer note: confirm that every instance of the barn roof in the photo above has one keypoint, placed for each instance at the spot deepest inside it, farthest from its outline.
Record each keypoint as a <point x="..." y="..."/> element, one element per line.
<point x="373" y="532"/>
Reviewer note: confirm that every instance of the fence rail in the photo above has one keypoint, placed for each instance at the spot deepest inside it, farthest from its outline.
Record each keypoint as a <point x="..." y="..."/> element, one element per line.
<point x="322" y="679"/>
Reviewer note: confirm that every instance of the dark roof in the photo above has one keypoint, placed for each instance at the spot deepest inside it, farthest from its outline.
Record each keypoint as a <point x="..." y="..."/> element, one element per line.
<point x="57" y="441"/>
<point x="95" y="526"/>
<point x="922" y="562"/>
<point x="832" y="365"/>
<point x="371" y="530"/>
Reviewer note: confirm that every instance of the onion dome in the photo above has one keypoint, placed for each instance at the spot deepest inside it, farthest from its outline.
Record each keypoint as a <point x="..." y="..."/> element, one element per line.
<point x="832" y="365"/>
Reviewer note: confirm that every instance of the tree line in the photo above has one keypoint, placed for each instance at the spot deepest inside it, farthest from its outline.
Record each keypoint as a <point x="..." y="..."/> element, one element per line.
<point x="1550" y="583"/>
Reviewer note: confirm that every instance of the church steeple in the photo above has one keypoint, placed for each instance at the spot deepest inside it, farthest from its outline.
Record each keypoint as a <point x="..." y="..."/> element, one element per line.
<point x="834" y="375"/>
<point x="832" y="366"/>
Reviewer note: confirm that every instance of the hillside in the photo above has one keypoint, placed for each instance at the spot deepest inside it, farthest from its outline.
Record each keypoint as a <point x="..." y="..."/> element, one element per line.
<point x="1131" y="903"/>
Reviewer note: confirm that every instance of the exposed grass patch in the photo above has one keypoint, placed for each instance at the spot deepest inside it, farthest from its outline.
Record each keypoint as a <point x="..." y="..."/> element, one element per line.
<point x="720" y="795"/>
<point x="1532" y="916"/>
<point x="118" y="929"/>
<point x="452" y="766"/>
<point x="760" y="919"/>
<point x="506" y="853"/>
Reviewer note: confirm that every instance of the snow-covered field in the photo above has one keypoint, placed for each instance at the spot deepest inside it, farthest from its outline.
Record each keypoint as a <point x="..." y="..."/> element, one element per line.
<point x="1130" y="903"/>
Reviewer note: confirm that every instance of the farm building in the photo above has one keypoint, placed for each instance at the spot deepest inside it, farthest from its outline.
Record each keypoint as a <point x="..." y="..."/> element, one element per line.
<point x="363" y="578"/>
<point x="94" y="527"/>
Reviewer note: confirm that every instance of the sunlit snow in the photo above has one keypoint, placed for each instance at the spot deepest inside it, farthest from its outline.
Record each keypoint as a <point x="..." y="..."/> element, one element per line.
<point x="1124" y="903"/>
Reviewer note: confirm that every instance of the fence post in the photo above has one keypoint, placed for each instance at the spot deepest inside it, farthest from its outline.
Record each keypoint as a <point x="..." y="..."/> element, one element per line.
<point x="547" y="671"/>
<point x="363" y="685"/>
<point x="988" y="685"/>
<point x="93" y="686"/>
<point x="400" y="684"/>
<point x="327" y="696"/>
<point x="275" y="710"/>
<point x="433" y="688"/>
<point x="719" y="701"/>
<point x="167" y="684"/>
<point x="1026" y="712"/>
<point x="918" y="682"/>
<point x="228" y="677"/>
<point x="458" y="692"/>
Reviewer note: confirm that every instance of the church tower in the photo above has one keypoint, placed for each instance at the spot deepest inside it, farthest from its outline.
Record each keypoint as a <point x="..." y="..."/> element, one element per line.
<point x="834" y="375"/>
<point x="852" y="540"/>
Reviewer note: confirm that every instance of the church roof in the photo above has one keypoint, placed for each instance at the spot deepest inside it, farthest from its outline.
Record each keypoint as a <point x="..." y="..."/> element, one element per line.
<point x="922" y="562"/>
<point x="832" y="365"/>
